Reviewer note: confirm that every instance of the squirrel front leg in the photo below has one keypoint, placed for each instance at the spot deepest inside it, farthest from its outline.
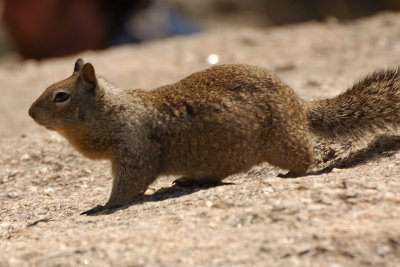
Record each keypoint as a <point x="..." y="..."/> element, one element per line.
<point x="132" y="174"/>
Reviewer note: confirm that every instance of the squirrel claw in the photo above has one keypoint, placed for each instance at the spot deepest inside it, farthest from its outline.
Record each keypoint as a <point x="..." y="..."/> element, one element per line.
<point x="291" y="174"/>
<point x="94" y="210"/>
<point x="185" y="182"/>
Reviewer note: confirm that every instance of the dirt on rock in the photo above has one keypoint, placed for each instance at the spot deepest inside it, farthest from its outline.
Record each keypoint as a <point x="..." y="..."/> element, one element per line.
<point x="347" y="213"/>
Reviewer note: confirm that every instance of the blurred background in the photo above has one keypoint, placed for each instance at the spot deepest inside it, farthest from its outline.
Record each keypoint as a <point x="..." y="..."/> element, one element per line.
<point x="37" y="29"/>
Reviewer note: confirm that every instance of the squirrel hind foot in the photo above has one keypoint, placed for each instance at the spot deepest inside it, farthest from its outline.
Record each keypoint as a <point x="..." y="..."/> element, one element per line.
<point x="292" y="174"/>
<point x="190" y="182"/>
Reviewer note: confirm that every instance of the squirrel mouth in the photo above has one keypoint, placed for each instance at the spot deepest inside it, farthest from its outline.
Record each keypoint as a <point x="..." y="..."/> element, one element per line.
<point x="50" y="128"/>
<point x="44" y="125"/>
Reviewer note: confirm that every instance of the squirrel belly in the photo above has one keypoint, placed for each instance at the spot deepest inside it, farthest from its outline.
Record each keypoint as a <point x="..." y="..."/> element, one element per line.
<point x="211" y="124"/>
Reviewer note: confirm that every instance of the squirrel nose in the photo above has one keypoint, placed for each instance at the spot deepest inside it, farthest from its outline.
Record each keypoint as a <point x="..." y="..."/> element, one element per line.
<point x="31" y="113"/>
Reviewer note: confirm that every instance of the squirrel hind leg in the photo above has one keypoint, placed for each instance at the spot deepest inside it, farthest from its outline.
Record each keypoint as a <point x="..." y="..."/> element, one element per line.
<point x="298" y="165"/>
<point x="296" y="155"/>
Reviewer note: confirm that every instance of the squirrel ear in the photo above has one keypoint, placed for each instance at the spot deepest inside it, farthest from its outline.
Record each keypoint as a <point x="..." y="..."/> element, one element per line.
<point x="88" y="74"/>
<point x="78" y="65"/>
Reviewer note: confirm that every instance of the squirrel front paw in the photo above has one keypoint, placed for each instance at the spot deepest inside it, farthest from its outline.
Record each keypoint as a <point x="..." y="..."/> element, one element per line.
<point x="100" y="208"/>
<point x="94" y="210"/>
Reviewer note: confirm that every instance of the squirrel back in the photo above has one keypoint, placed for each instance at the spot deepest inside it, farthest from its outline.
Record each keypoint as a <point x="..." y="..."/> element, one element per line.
<point x="369" y="105"/>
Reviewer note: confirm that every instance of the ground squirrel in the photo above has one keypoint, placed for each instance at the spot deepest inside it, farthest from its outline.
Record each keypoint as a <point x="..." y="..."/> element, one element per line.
<point x="213" y="123"/>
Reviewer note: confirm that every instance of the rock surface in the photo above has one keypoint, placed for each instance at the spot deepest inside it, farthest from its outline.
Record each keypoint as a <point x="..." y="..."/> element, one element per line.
<point x="347" y="215"/>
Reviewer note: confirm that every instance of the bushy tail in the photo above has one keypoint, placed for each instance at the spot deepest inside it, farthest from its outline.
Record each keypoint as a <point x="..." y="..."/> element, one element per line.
<point x="370" y="105"/>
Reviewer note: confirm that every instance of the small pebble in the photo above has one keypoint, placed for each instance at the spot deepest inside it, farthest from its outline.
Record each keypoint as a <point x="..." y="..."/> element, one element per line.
<point x="49" y="190"/>
<point x="25" y="157"/>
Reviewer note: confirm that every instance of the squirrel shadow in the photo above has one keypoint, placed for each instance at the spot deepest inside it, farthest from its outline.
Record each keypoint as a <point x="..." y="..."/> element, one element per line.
<point x="176" y="191"/>
<point x="163" y="193"/>
<point x="381" y="146"/>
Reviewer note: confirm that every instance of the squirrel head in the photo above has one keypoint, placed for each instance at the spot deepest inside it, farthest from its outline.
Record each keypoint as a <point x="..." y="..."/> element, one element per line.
<point x="67" y="103"/>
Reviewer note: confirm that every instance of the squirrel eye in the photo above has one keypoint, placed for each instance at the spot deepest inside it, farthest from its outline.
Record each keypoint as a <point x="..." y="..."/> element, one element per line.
<point x="61" y="97"/>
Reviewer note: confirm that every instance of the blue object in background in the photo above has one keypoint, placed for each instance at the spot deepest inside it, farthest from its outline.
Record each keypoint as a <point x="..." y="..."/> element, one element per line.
<point x="157" y="21"/>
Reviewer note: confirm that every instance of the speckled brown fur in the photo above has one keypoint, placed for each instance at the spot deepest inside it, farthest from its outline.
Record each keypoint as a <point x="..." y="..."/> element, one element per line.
<point x="213" y="123"/>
